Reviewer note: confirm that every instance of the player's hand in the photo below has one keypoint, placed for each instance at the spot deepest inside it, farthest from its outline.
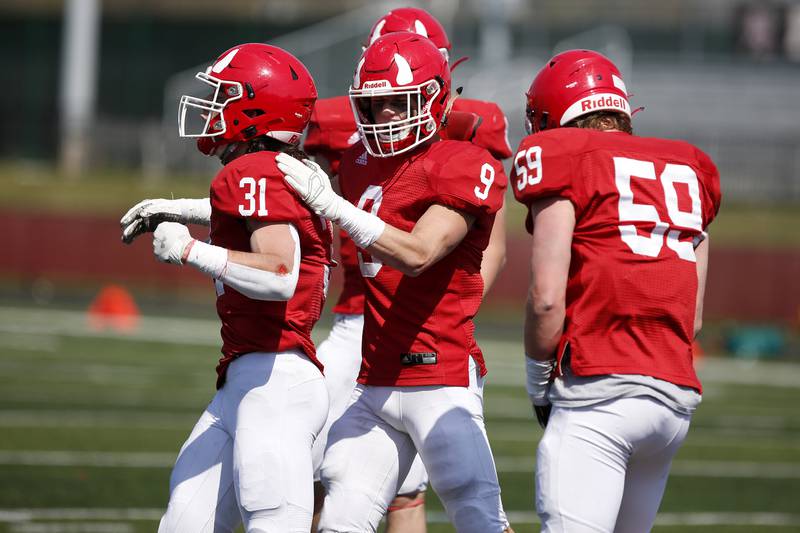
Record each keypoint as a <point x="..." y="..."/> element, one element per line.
<point x="169" y="242"/>
<point x="145" y="216"/>
<point x="537" y="385"/>
<point x="542" y="413"/>
<point x="312" y="185"/>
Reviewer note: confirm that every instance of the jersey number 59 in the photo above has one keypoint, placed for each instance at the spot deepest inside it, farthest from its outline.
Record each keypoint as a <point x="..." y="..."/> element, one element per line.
<point x="650" y="245"/>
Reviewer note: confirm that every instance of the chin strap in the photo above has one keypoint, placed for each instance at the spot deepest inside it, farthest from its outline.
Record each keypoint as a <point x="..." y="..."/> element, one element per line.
<point x="449" y="106"/>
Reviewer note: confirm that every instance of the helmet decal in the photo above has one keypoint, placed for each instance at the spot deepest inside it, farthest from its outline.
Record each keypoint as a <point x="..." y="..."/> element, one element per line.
<point x="357" y="79"/>
<point x="223" y="63"/>
<point x="404" y="75"/>
<point x="618" y="83"/>
<point x="420" y="28"/>
<point x="377" y="31"/>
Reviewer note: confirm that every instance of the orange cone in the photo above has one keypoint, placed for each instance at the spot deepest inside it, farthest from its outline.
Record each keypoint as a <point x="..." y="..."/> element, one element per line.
<point x="113" y="308"/>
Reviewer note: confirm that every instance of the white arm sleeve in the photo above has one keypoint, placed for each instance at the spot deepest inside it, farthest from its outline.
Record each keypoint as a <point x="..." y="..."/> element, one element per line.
<point x="254" y="283"/>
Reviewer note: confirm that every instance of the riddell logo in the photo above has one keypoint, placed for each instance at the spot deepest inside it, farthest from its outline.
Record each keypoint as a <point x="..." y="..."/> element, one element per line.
<point x="381" y="84"/>
<point x="604" y="102"/>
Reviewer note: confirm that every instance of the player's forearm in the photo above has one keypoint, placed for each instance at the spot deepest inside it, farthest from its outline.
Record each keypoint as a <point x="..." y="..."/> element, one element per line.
<point x="407" y="252"/>
<point x="255" y="275"/>
<point x="701" y="255"/>
<point x="494" y="259"/>
<point x="494" y="256"/>
<point x="544" y="324"/>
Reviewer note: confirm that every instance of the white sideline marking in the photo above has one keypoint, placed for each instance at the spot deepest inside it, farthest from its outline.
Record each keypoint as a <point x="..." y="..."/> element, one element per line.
<point x="683" y="468"/>
<point x="515" y="517"/>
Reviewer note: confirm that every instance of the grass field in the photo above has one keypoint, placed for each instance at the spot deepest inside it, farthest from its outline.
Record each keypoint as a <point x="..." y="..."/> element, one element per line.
<point x="90" y="423"/>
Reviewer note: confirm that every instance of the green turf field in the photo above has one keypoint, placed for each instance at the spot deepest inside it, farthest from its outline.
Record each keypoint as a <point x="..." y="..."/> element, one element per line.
<point x="90" y="422"/>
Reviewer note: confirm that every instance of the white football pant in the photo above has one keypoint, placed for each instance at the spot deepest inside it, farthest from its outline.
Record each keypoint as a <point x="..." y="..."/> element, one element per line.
<point x="249" y="455"/>
<point x="340" y="353"/>
<point x="604" y="467"/>
<point x="372" y="446"/>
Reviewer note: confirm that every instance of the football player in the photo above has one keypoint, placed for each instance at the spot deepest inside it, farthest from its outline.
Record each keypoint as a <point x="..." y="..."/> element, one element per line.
<point x="333" y="130"/>
<point x="249" y="456"/>
<point x="420" y="211"/>
<point x="620" y="251"/>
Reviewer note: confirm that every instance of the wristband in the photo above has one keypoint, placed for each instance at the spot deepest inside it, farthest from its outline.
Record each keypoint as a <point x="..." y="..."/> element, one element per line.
<point x="538" y="379"/>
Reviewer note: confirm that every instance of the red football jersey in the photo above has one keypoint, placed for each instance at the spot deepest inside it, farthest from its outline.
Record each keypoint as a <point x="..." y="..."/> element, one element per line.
<point x="419" y="330"/>
<point x="332" y="130"/>
<point x="641" y="204"/>
<point x="252" y="187"/>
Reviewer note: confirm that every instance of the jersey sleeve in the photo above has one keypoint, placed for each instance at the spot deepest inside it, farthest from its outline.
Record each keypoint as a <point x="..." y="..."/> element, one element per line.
<point x="255" y="189"/>
<point x="542" y="168"/>
<point x="467" y="178"/>
<point x="712" y="193"/>
<point x="491" y="130"/>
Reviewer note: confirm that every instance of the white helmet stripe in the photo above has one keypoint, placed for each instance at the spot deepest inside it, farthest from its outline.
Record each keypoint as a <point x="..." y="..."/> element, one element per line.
<point x="223" y="63"/>
<point x="404" y="75"/>
<point x="420" y="28"/>
<point x="596" y="102"/>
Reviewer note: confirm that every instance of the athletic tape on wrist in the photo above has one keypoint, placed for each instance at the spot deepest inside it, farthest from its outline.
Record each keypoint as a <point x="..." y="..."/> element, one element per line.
<point x="208" y="259"/>
<point x="364" y="228"/>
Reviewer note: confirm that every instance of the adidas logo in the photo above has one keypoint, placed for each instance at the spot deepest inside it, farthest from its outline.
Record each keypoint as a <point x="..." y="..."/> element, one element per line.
<point x="362" y="159"/>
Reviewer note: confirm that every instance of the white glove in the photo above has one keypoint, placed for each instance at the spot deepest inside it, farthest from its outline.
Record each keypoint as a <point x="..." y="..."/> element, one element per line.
<point x="312" y="185"/>
<point x="169" y="241"/>
<point x="148" y="214"/>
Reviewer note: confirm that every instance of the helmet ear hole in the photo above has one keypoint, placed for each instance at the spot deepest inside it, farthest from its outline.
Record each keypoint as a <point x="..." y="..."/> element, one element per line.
<point x="253" y="113"/>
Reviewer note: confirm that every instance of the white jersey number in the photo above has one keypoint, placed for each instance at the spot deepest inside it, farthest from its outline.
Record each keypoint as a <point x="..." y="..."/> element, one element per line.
<point x="370" y="266"/>
<point x="528" y="164"/>
<point x="650" y="245"/>
<point x="487" y="178"/>
<point x="250" y="196"/>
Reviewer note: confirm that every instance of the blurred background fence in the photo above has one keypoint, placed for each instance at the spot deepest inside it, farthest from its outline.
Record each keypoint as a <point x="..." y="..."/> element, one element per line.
<point x="724" y="74"/>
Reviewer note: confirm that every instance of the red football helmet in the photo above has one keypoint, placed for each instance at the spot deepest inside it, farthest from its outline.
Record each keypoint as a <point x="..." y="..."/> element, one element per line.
<point x="258" y="89"/>
<point x="414" y="20"/>
<point x="572" y="84"/>
<point x="401" y="64"/>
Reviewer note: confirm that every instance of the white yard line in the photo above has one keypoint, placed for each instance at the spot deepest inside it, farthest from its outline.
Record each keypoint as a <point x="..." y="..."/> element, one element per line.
<point x="503" y="357"/>
<point x="71" y="527"/>
<point x="90" y="458"/>
<point x="687" y="468"/>
<point x="38" y="418"/>
<point x="682" y="468"/>
<point x="26" y="515"/>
